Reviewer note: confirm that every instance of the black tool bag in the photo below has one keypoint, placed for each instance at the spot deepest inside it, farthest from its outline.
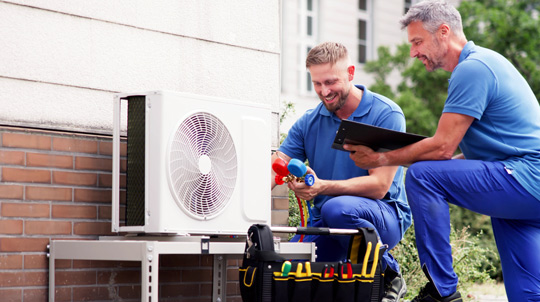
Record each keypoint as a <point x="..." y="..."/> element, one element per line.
<point x="266" y="277"/>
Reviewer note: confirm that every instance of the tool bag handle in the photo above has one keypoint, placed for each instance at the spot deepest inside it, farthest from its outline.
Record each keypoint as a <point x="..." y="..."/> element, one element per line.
<point x="313" y="230"/>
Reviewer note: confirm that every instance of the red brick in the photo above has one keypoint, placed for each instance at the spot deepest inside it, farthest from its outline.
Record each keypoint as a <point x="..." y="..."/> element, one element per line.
<point x="36" y="261"/>
<point x="232" y="274"/>
<point x="232" y="289"/>
<point x="48" y="193"/>
<point x="63" y="294"/>
<point x="30" y="141"/>
<point x="25" y="210"/>
<point x="234" y="261"/>
<point x="75" y="277"/>
<point x="11" y="157"/>
<point x="207" y="260"/>
<point x="47" y="227"/>
<point x="75" y="145"/>
<point x="105" y="148"/>
<point x="23" y="245"/>
<point x="107" y="264"/>
<point x="118" y="277"/>
<point x="11" y="192"/>
<point x="74" y="178"/>
<point x="93" y="293"/>
<point x="62" y="263"/>
<point x="10" y="262"/>
<point x="105" y="180"/>
<point x="91" y="195"/>
<point x="105" y="212"/>
<point x="169" y="276"/>
<point x="49" y="160"/>
<point x="11" y="227"/>
<point x="179" y="290"/>
<point x="92" y="228"/>
<point x="11" y="294"/>
<point x="183" y="261"/>
<point x="36" y="294"/>
<point x="74" y="211"/>
<point x="196" y="275"/>
<point x="92" y="163"/>
<point x="123" y="196"/>
<point x="130" y="292"/>
<point x="123" y="165"/>
<point x="206" y="290"/>
<point x="26" y="175"/>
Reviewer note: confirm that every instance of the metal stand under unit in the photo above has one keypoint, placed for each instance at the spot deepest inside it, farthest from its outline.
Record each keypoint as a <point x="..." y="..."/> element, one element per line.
<point x="148" y="249"/>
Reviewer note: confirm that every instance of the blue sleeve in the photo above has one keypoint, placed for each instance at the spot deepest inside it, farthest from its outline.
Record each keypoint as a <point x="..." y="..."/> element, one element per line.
<point x="395" y="120"/>
<point x="294" y="143"/>
<point x="470" y="87"/>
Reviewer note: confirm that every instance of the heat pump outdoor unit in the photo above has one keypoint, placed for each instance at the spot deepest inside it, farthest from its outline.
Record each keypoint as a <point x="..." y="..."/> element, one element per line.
<point x="194" y="164"/>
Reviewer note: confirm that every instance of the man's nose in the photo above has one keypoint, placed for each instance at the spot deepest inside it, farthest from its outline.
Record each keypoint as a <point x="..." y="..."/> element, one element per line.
<point x="325" y="90"/>
<point x="413" y="53"/>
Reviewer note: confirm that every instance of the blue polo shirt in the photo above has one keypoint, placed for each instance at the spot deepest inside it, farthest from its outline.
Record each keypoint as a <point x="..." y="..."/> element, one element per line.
<point x="487" y="87"/>
<point x="312" y="135"/>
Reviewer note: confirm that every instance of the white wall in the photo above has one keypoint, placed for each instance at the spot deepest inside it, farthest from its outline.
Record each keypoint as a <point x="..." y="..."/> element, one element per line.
<point x="62" y="60"/>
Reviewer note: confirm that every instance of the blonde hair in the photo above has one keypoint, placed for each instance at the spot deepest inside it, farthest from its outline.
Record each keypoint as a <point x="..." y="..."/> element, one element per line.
<point x="327" y="52"/>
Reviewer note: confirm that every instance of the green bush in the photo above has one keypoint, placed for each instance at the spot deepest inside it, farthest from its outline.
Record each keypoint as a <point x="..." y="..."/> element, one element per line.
<point x="470" y="260"/>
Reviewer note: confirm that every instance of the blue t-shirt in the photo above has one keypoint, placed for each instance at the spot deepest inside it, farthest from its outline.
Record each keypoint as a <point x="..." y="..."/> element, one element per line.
<point x="487" y="87"/>
<point x="312" y="135"/>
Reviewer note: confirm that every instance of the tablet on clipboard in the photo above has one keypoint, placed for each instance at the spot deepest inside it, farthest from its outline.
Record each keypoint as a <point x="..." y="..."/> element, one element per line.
<point x="377" y="138"/>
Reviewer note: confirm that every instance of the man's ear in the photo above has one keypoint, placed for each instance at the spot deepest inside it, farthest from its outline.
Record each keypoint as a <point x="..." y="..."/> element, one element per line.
<point x="444" y="30"/>
<point x="350" y="71"/>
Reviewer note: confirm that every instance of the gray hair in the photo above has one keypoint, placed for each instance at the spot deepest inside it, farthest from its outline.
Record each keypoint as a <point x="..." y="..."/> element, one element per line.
<point x="432" y="14"/>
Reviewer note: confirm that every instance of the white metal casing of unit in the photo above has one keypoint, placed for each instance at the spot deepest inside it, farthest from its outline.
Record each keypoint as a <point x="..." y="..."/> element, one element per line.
<point x="248" y="201"/>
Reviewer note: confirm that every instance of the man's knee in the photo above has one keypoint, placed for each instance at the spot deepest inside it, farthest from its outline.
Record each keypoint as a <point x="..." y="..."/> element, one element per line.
<point x="333" y="209"/>
<point x="414" y="174"/>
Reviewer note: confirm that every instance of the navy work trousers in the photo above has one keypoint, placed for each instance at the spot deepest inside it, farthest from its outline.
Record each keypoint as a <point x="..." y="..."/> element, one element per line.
<point x="353" y="212"/>
<point x="487" y="188"/>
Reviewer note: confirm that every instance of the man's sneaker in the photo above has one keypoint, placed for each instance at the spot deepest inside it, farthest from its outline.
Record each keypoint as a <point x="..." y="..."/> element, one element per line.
<point x="430" y="294"/>
<point x="395" y="288"/>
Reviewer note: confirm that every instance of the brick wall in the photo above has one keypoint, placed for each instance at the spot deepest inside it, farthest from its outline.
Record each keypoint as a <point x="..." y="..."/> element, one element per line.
<point x="57" y="185"/>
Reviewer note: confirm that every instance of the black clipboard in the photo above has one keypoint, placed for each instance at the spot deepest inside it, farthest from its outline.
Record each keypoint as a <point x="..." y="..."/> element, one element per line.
<point x="377" y="138"/>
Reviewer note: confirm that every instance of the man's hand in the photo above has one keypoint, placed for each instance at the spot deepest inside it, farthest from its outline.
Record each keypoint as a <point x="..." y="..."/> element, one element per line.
<point x="364" y="157"/>
<point x="304" y="191"/>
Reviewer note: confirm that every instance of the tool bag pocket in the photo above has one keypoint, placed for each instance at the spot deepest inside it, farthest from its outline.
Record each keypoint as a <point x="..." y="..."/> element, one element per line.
<point x="248" y="283"/>
<point x="266" y="277"/>
<point x="259" y="263"/>
<point x="322" y="289"/>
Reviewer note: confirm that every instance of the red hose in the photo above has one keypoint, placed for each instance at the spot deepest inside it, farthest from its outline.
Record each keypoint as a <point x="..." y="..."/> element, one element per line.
<point x="302" y="221"/>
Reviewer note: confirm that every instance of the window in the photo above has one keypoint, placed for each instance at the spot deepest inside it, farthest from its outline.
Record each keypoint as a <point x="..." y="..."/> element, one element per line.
<point x="309" y="84"/>
<point x="363" y="36"/>
<point x="308" y="37"/>
<point x="362" y="4"/>
<point x="408" y="4"/>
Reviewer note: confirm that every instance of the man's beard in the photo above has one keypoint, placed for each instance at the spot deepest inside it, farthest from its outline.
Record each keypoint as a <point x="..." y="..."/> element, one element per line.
<point x="431" y="65"/>
<point x="437" y="62"/>
<point x="335" y="106"/>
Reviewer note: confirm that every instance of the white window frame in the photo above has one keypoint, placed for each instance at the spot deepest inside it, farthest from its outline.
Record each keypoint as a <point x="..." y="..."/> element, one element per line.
<point x="367" y="16"/>
<point x="306" y="42"/>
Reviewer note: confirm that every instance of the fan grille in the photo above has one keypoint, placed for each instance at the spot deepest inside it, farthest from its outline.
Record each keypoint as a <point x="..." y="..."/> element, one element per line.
<point x="202" y="165"/>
